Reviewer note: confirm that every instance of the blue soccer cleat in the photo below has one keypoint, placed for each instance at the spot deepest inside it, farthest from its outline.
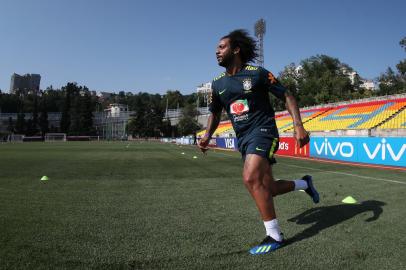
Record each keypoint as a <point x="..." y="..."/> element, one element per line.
<point x="267" y="245"/>
<point x="310" y="190"/>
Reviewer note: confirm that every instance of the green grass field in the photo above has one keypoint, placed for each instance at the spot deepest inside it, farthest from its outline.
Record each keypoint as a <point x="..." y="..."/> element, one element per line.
<point x="146" y="206"/>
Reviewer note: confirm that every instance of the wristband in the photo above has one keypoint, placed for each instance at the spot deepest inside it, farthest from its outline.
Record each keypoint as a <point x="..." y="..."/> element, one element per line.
<point x="207" y="136"/>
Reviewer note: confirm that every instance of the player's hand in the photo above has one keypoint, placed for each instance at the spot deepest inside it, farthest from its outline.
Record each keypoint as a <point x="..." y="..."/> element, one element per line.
<point x="203" y="144"/>
<point x="301" y="136"/>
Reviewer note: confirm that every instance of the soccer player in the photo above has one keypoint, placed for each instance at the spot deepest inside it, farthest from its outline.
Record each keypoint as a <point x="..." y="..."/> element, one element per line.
<point x="243" y="91"/>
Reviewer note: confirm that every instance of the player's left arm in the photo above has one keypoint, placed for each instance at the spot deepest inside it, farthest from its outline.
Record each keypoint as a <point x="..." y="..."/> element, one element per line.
<point x="278" y="90"/>
<point x="300" y="133"/>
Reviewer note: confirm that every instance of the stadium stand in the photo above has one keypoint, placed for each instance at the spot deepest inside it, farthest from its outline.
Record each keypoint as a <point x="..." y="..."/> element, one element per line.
<point x="397" y="121"/>
<point x="355" y="115"/>
<point x="223" y="130"/>
<point x="284" y="120"/>
<point x="366" y="115"/>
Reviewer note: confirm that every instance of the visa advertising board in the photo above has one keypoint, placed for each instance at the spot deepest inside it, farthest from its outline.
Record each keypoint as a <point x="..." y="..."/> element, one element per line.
<point x="373" y="150"/>
<point x="227" y="143"/>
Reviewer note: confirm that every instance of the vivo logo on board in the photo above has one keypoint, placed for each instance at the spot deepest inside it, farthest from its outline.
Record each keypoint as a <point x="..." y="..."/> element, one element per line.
<point x="362" y="148"/>
<point x="345" y="149"/>
<point x="383" y="147"/>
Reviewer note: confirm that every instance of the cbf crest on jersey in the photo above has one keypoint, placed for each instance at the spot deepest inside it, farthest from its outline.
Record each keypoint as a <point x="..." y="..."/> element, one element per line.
<point x="247" y="84"/>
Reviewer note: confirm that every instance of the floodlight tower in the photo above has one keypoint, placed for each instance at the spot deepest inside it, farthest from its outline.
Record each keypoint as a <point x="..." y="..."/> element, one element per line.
<point x="259" y="33"/>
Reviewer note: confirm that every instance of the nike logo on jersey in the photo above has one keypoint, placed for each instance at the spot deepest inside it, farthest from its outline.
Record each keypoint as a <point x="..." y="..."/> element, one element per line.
<point x="259" y="149"/>
<point x="222" y="92"/>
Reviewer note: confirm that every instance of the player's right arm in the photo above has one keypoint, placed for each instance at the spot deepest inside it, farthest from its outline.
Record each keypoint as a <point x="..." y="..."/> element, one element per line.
<point x="212" y="124"/>
<point x="215" y="108"/>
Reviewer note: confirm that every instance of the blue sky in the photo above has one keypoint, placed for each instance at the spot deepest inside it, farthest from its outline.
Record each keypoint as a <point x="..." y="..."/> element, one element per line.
<point x="156" y="45"/>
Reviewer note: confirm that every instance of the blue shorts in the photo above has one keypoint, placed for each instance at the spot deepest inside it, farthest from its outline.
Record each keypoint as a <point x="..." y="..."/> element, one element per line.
<point x="263" y="142"/>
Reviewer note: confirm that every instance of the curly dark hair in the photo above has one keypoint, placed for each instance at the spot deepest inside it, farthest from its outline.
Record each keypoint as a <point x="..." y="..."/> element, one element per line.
<point x="248" y="46"/>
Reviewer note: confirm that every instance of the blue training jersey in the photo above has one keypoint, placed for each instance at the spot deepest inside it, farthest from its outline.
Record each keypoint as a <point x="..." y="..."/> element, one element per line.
<point x="245" y="97"/>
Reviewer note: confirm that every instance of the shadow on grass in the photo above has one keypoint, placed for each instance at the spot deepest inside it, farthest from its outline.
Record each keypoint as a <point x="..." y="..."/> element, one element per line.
<point x="327" y="216"/>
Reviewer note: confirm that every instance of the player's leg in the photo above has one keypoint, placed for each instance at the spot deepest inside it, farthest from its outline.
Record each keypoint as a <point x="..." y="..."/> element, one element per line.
<point x="266" y="146"/>
<point x="258" y="152"/>
<point x="284" y="186"/>
<point x="256" y="168"/>
<point x="277" y="187"/>
<point x="258" y="179"/>
<point x="280" y="187"/>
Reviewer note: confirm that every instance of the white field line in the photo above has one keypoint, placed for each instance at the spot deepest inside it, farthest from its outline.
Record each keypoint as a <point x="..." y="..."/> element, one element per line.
<point x="348" y="174"/>
<point x="222" y="153"/>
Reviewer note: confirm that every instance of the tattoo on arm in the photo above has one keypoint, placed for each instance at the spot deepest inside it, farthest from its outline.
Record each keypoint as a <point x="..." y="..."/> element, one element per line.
<point x="293" y="109"/>
<point x="212" y="123"/>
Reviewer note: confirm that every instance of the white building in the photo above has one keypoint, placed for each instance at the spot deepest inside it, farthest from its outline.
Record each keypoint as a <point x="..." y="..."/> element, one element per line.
<point x="116" y="110"/>
<point x="298" y="70"/>
<point x="104" y="95"/>
<point x="352" y="75"/>
<point x="204" y="91"/>
<point x="368" y="84"/>
<point x="205" y="88"/>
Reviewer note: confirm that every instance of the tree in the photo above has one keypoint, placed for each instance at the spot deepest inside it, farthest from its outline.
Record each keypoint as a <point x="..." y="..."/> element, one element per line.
<point x="401" y="66"/>
<point x="86" y="113"/>
<point x="43" y="118"/>
<point x="65" y="118"/>
<point x="289" y="78"/>
<point x="77" y="112"/>
<point x="9" y="103"/>
<point x="402" y="43"/>
<point x="10" y="127"/>
<point x="319" y="79"/>
<point x="147" y="120"/>
<point x="121" y="98"/>
<point x="20" y="124"/>
<point x="81" y="111"/>
<point x="156" y="114"/>
<point x="188" y="124"/>
<point x="131" y="126"/>
<point x="34" y="128"/>
<point x="137" y="126"/>
<point x="29" y="128"/>
<point x="55" y="99"/>
<point x="392" y="82"/>
<point x="74" y="112"/>
<point x="190" y="99"/>
<point x="174" y="99"/>
<point x="167" y="129"/>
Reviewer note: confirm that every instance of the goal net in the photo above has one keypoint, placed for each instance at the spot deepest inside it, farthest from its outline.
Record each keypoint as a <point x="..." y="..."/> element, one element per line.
<point x="55" y="137"/>
<point x="16" y="138"/>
